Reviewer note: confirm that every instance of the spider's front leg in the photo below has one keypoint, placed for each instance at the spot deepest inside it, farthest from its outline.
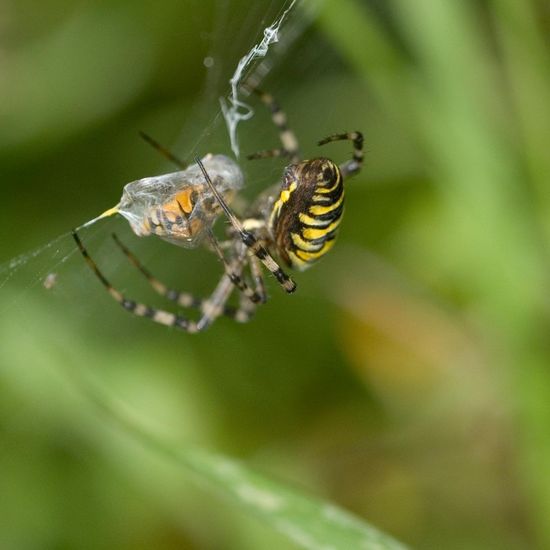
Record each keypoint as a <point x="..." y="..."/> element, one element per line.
<point x="354" y="165"/>
<point x="249" y="240"/>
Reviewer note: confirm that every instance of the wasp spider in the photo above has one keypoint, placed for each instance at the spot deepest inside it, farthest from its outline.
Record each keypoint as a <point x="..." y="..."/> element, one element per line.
<point x="296" y="221"/>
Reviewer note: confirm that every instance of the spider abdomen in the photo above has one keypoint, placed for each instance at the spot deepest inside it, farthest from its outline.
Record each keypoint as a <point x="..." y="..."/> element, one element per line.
<point x="305" y="217"/>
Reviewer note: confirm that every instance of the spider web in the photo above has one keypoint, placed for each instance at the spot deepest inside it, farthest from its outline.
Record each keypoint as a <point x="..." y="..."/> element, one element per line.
<point x="266" y="31"/>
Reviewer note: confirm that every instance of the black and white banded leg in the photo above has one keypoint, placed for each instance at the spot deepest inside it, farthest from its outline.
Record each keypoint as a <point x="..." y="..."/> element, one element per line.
<point x="166" y="153"/>
<point x="254" y="246"/>
<point x="352" y="166"/>
<point x="256" y="271"/>
<point x="183" y="299"/>
<point x="247" y="308"/>
<point x="290" y="147"/>
<point x="211" y="308"/>
<point x="236" y="277"/>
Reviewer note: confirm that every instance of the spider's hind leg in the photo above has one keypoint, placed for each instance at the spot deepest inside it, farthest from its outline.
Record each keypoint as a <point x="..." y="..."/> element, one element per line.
<point x="183" y="299"/>
<point x="211" y="308"/>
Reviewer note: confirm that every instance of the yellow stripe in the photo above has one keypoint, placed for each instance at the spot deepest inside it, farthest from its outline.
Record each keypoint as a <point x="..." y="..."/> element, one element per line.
<point x="310" y="233"/>
<point x="184" y="200"/>
<point x="110" y="212"/>
<point x="302" y="244"/>
<point x="308" y="220"/>
<point x="283" y="197"/>
<point x="297" y="263"/>
<point x="311" y="256"/>
<point x="275" y="212"/>
<point x="285" y="193"/>
<point x="321" y="198"/>
<point x="320" y="210"/>
<point x="330" y="189"/>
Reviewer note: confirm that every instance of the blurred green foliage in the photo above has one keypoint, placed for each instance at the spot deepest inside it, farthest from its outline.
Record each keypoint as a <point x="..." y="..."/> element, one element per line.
<point x="407" y="380"/>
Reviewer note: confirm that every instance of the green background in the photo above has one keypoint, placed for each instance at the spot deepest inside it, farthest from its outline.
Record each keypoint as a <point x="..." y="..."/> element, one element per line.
<point x="407" y="380"/>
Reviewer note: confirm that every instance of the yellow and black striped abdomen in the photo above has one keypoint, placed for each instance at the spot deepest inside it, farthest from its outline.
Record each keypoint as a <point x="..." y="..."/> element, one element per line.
<point x="305" y="218"/>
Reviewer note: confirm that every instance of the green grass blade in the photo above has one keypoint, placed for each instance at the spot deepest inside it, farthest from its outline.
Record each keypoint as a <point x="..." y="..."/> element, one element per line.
<point x="308" y="521"/>
<point x="491" y="225"/>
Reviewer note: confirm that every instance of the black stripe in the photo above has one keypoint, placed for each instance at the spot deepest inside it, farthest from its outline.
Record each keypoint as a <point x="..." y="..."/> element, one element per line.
<point x="333" y="195"/>
<point x="280" y="275"/>
<point x="180" y="322"/>
<point x="329" y="216"/>
<point x="294" y="247"/>
<point x="254" y="297"/>
<point x="235" y="279"/>
<point x="166" y="223"/>
<point x="230" y="311"/>
<point x="321" y="240"/>
<point x="326" y="223"/>
<point x="248" y="239"/>
<point x="196" y="302"/>
<point x="149" y="312"/>
<point x="100" y="275"/>
<point x="273" y="106"/>
<point x="129" y="305"/>
<point x="172" y="294"/>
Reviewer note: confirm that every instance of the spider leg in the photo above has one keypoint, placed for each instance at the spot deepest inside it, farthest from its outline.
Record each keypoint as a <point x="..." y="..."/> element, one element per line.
<point x="211" y="308"/>
<point x="256" y="270"/>
<point x="269" y="153"/>
<point x="247" y="308"/>
<point x="288" y="139"/>
<point x="217" y="302"/>
<point x="183" y="299"/>
<point x="255" y="247"/>
<point x="166" y="153"/>
<point x="245" y="311"/>
<point x="353" y="165"/>
<point x="236" y="278"/>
